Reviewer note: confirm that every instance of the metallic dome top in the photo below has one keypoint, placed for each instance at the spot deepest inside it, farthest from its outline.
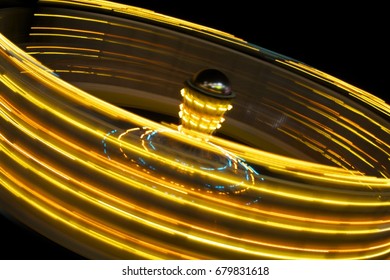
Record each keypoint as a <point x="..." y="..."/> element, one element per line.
<point x="212" y="82"/>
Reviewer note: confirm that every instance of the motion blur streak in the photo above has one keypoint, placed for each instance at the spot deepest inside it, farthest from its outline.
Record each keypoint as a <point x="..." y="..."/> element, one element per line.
<point x="83" y="167"/>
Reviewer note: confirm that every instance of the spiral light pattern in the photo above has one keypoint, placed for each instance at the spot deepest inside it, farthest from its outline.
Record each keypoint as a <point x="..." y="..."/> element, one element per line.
<point x="313" y="151"/>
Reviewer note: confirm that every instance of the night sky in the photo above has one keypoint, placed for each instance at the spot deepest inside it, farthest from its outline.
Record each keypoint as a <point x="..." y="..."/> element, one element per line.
<point x="348" y="43"/>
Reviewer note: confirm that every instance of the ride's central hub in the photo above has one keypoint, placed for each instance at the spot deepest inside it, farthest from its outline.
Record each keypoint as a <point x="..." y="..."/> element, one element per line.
<point x="213" y="169"/>
<point x="207" y="97"/>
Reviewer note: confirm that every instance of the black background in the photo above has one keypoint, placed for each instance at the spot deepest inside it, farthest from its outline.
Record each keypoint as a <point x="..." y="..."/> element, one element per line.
<point x="349" y="43"/>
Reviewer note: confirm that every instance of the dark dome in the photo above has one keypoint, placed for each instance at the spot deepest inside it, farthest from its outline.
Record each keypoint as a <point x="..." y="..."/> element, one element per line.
<point x="212" y="81"/>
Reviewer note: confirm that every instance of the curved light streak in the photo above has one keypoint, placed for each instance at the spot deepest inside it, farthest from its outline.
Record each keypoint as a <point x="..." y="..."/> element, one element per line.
<point x="53" y="135"/>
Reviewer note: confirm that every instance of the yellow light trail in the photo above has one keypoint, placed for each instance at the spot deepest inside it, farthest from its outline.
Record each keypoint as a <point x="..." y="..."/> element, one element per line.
<point x="52" y="131"/>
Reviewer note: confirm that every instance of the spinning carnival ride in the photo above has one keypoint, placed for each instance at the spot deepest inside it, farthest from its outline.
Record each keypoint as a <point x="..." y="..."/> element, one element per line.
<point x="299" y="168"/>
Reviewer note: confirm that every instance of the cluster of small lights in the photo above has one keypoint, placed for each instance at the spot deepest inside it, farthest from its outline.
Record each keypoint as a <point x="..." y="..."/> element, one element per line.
<point x="201" y="116"/>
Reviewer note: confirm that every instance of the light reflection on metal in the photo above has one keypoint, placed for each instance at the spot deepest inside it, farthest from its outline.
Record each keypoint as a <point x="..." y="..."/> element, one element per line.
<point x="90" y="168"/>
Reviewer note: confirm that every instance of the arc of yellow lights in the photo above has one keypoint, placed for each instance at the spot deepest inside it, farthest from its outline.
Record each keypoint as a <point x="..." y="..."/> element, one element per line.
<point x="313" y="229"/>
<point x="9" y="107"/>
<point x="313" y="172"/>
<point x="157" y="17"/>
<point x="116" y="199"/>
<point x="118" y="211"/>
<point x="57" y="149"/>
